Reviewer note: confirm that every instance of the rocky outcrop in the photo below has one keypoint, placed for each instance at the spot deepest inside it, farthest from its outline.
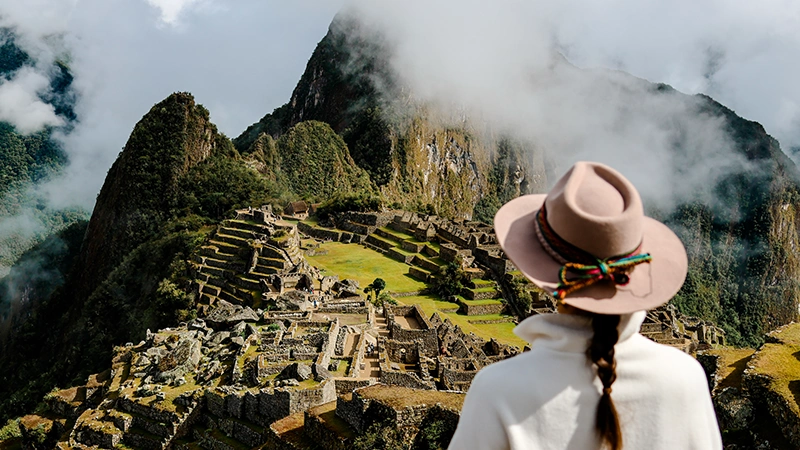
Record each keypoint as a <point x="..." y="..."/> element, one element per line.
<point x="755" y="391"/>
<point x="151" y="169"/>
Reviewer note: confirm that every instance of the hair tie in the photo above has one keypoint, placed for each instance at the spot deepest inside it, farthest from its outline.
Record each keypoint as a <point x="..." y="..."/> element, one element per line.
<point x="607" y="390"/>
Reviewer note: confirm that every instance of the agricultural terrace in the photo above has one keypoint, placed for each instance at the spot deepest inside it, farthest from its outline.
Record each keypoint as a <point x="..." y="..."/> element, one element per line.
<point x="364" y="265"/>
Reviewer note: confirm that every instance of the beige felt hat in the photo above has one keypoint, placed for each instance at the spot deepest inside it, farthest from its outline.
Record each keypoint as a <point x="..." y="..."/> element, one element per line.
<point x="593" y="213"/>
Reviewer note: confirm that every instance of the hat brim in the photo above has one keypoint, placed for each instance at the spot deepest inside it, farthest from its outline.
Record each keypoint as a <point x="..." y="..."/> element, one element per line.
<point x="650" y="285"/>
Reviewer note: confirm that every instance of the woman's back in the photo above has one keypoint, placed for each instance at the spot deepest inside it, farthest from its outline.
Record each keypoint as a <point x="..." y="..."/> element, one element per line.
<point x="546" y="398"/>
<point x="590" y="380"/>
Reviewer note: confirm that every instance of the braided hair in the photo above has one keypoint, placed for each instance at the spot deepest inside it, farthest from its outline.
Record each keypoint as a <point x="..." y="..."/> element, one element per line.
<point x="601" y="354"/>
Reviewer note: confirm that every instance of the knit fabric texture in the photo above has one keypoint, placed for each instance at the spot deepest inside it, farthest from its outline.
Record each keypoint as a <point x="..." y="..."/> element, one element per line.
<point x="546" y="398"/>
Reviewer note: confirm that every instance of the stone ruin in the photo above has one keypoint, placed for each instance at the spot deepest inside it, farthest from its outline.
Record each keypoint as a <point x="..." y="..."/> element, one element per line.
<point x="243" y="376"/>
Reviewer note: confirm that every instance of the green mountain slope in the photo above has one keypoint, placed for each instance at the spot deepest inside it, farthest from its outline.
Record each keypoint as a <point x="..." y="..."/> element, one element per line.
<point x="130" y="270"/>
<point x="26" y="160"/>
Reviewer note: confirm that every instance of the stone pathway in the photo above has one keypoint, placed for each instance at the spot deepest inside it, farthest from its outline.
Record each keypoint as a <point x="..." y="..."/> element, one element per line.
<point x="371" y="362"/>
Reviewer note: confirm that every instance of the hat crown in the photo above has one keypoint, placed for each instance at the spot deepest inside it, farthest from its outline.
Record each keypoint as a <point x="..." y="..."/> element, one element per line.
<point x="596" y="209"/>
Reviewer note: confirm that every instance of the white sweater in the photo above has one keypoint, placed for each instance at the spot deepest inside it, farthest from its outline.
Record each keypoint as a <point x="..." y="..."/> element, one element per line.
<point x="547" y="398"/>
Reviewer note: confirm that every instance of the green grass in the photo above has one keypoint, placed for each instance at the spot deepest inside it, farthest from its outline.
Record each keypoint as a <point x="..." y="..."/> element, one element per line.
<point x="385" y="240"/>
<point x="438" y="261"/>
<point x="485" y="289"/>
<point x="398" y="234"/>
<point x="308" y="384"/>
<point x="403" y="251"/>
<point x="364" y="265"/>
<point x="342" y="366"/>
<point x="732" y="363"/>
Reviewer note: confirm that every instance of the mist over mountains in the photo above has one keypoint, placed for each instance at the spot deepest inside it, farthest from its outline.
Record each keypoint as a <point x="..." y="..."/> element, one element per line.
<point x="37" y="106"/>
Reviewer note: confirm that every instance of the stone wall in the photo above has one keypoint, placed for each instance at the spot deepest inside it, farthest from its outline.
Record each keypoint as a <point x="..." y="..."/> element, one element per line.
<point x="399" y="256"/>
<point x="404" y="222"/>
<point x="377" y="219"/>
<point x="356" y="228"/>
<point x="350" y="308"/>
<point x="351" y="408"/>
<point x="319" y="233"/>
<point x="425" y="233"/>
<point x="412" y="247"/>
<point x="427" y="334"/>
<point x="405" y="379"/>
<point x="404" y="352"/>
<point x="471" y="309"/>
<point x="316" y="431"/>
<point x="758" y="388"/>
<point x="348" y="385"/>
<point x="419" y="274"/>
<point x="303" y="399"/>
<point x="430" y="342"/>
<point x="380" y="243"/>
<point x="241" y="432"/>
<point x="453" y="233"/>
<point x="157" y="415"/>
<point x="355" y="368"/>
<point x="457" y="380"/>
<point x="450" y="253"/>
<point x="490" y="256"/>
<point x="341" y="337"/>
<point x="428" y="265"/>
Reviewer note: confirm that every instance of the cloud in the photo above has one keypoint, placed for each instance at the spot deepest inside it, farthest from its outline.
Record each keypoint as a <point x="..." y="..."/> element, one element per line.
<point x="172" y="9"/>
<point x="21" y="106"/>
<point x="503" y="62"/>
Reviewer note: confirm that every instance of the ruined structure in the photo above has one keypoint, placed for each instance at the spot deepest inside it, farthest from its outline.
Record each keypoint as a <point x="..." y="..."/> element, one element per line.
<point x="284" y="357"/>
<point x="427" y="242"/>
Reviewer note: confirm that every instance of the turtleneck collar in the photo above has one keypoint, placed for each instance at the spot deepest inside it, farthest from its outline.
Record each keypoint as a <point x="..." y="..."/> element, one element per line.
<point x="571" y="332"/>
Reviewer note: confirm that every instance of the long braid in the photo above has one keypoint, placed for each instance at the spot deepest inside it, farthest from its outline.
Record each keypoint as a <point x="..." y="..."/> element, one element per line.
<point x="601" y="353"/>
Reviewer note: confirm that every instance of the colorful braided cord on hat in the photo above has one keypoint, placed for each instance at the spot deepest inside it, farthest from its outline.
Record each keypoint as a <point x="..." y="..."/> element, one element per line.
<point x="587" y="269"/>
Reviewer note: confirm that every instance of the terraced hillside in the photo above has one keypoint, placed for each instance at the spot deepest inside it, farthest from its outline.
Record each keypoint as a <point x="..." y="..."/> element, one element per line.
<point x="239" y="255"/>
<point x="757" y="392"/>
<point x="408" y="259"/>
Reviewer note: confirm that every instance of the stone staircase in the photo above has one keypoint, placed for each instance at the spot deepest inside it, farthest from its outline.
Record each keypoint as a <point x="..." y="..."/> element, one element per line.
<point x="236" y="262"/>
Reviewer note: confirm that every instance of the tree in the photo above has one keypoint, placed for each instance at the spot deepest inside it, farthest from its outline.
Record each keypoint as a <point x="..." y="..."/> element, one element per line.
<point x="450" y="281"/>
<point x="378" y="285"/>
<point x="375" y="287"/>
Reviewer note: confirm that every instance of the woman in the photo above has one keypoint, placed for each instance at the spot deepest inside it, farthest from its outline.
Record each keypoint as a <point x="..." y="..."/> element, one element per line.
<point x="590" y="380"/>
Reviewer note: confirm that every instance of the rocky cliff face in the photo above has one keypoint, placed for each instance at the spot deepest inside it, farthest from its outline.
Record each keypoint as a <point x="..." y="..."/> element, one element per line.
<point x="743" y="264"/>
<point x="415" y="161"/>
